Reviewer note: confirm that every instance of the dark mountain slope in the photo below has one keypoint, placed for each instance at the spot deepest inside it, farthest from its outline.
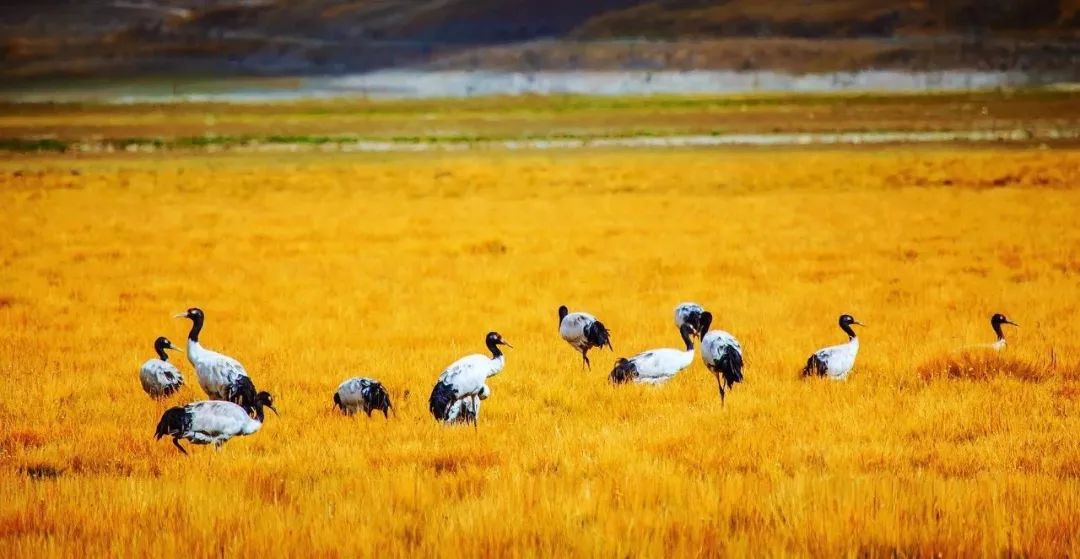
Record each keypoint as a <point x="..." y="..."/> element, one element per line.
<point x="132" y="37"/>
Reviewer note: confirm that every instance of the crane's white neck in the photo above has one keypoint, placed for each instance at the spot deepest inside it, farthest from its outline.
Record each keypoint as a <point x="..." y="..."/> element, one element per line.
<point x="195" y="351"/>
<point x="853" y="344"/>
<point x="497" y="364"/>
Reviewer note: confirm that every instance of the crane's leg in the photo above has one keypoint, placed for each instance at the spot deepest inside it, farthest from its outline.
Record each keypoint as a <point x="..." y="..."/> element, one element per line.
<point x="176" y="441"/>
<point x="720" y="383"/>
<point x="585" y="356"/>
<point x="475" y="415"/>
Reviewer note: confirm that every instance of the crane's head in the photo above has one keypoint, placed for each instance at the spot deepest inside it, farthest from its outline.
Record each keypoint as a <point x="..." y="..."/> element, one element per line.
<point x="163" y="343"/>
<point x="624" y="370"/>
<point x="194" y="314"/>
<point x="263" y="400"/>
<point x="495" y="339"/>
<point x="998" y="319"/>
<point x="846" y="320"/>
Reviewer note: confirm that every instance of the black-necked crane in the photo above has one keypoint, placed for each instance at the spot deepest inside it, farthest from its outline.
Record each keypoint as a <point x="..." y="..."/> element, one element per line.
<point x="159" y="378"/>
<point x="212" y="421"/>
<point x="995" y="322"/>
<point x="836" y="362"/>
<point x="220" y="376"/>
<point x="466" y="378"/>
<point x="722" y="355"/>
<point x="655" y="366"/>
<point x="362" y="394"/>
<point x="583" y="332"/>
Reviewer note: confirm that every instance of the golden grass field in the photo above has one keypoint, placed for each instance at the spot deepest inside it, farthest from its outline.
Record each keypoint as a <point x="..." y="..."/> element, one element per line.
<point x="313" y="268"/>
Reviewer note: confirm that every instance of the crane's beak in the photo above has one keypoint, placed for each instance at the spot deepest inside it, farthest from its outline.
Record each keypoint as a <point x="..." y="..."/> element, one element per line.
<point x="181" y="315"/>
<point x="507" y="344"/>
<point x="1013" y="323"/>
<point x="273" y="409"/>
<point x="172" y="347"/>
<point x="857" y="323"/>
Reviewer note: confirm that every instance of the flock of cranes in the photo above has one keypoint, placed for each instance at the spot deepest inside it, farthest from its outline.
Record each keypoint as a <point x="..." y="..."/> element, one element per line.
<point x="236" y="408"/>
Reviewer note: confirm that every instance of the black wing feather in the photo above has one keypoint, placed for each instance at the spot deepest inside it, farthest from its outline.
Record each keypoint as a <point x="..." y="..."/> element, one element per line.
<point x="442" y="397"/>
<point x="815" y="366"/>
<point x="598" y="335"/>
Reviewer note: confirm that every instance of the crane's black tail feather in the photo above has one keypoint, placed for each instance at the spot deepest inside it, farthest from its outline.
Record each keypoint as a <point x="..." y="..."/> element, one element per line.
<point x="442" y="397"/>
<point x="242" y="393"/>
<point x="814" y="366"/>
<point x="730" y="365"/>
<point x="598" y="335"/>
<point x="377" y="398"/>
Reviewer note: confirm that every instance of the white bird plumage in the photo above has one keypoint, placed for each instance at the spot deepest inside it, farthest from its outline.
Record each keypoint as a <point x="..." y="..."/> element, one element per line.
<point x="158" y="377"/>
<point x="583" y="332"/>
<point x="836" y="362"/>
<point x="220" y="376"/>
<point x="362" y="394"/>
<point x="466" y="378"/>
<point x="655" y="366"/>
<point x="212" y="421"/>
<point x="722" y="355"/>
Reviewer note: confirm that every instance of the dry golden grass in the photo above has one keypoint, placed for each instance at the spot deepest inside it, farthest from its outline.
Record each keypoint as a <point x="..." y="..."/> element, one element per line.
<point x="314" y="268"/>
<point x="982" y="364"/>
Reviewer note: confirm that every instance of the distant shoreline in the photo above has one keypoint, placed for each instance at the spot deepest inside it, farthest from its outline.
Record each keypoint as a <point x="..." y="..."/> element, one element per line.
<point x="418" y="84"/>
<point x="359" y="145"/>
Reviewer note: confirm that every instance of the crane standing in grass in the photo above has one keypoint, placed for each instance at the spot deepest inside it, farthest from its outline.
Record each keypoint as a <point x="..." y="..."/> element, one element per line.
<point x="722" y="355"/>
<point x="220" y="376"/>
<point x="835" y="361"/>
<point x="159" y="378"/>
<point x="583" y="332"/>
<point x="466" y="378"/>
<point x="362" y="394"/>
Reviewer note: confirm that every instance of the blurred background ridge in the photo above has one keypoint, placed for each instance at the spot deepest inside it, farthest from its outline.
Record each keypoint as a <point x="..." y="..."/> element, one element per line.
<point x="276" y="37"/>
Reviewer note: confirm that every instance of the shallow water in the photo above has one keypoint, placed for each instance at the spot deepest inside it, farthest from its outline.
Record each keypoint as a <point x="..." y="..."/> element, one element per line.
<point x="408" y="84"/>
